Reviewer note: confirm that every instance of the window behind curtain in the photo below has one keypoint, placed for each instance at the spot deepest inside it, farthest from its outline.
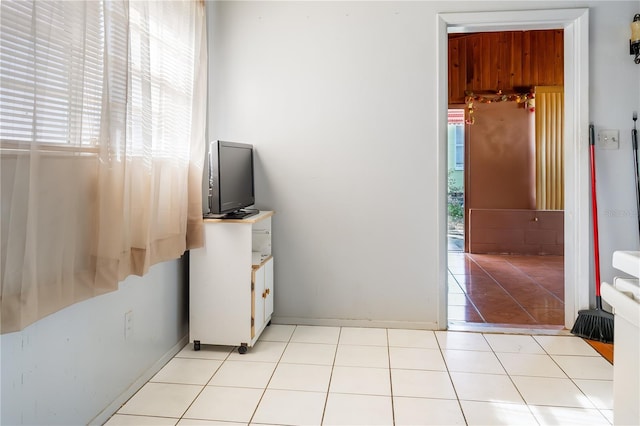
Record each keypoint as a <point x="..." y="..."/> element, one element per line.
<point x="52" y="85"/>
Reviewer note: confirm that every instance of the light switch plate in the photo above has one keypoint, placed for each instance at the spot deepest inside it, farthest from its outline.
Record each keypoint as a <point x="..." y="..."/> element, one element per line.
<point x="609" y="139"/>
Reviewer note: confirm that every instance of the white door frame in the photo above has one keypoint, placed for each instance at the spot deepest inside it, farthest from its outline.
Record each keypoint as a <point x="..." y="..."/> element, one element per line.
<point x="575" y="23"/>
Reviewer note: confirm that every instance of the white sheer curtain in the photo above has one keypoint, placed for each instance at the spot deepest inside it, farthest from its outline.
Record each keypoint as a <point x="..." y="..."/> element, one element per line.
<point x="102" y="112"/>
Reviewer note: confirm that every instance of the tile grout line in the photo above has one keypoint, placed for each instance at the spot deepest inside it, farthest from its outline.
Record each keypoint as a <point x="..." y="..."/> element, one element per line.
<point x="266" y="386"/>
<point x="226" y="358"/>
<point x="455" y="391"/>
<point x="536" y="281"/>
<point x="393" y="410"/>
<point x="333" y="364"/>
<point x="511" y="378"/>
<point x="572" y="379"/>
<point x="467" y="297"/>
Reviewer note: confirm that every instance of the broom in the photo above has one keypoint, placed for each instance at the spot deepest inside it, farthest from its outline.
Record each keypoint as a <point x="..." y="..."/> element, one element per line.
<point x="594" y="324"/>
<point x="634" y="145"/>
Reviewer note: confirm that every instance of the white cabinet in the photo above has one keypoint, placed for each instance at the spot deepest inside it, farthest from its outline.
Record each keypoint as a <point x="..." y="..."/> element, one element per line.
<point x="231" y="282"/>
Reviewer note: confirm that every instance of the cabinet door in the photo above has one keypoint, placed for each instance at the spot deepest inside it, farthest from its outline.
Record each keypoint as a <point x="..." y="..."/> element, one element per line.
<point x="258" y="299"/>
<point x="268" y="284"/>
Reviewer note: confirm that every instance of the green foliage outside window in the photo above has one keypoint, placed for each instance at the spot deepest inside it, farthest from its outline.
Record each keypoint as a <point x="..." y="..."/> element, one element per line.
<point x="455" y="200"/>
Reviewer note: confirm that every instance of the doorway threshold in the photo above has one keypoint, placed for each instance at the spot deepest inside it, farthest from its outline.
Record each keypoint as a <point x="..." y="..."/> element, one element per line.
<point x="538" y="329"/>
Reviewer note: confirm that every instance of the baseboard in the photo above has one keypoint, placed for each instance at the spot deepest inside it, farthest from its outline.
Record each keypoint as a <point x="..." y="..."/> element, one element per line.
<point x="330" y="322"/>
<point x="101" y="418"/>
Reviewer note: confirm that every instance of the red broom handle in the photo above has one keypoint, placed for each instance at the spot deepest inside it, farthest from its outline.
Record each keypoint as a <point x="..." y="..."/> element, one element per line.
<point x="594" y="208"/>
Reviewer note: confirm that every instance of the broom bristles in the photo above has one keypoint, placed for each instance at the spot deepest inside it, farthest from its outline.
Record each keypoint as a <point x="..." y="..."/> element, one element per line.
<point x="594" y="324"/>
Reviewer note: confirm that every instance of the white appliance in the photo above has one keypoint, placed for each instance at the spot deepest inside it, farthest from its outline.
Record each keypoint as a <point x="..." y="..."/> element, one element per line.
<point x="624" y="298"/>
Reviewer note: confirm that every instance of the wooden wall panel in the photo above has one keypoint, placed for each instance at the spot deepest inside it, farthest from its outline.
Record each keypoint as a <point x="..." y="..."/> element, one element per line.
<point x="558" y="66"/>
<point x="457" y="66"/>
<point x="516" y="63"/>
<point x="504" y="58"/>
<point x="474" y="62"/>
<point x="507" y="61"/>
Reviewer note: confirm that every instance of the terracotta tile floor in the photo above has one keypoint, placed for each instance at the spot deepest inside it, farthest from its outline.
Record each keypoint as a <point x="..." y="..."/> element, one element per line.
<point x="506" y="289"/>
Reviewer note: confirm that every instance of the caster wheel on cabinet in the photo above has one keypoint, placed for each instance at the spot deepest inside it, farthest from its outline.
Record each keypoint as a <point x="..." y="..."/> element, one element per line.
<point x="196" y="345"/>
<point x="242" y="349"/>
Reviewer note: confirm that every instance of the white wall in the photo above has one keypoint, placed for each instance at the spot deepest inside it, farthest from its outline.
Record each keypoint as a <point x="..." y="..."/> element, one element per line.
<point x="615" y="94"/>
<point x="334" y="98"/>
<point x="70" y="366"/>
<point x="339" y="99"/>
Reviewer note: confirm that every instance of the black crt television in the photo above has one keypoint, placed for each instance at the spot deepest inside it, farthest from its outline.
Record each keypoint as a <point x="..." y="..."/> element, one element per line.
<point x="231" y="180"/>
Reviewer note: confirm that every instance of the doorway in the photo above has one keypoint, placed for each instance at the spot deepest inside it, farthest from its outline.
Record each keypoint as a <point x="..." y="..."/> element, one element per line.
<point x="574" y="23"/>
<point x="511" y="268"/>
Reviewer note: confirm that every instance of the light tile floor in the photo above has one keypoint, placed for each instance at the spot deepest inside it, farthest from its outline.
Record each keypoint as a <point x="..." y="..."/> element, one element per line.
<point x="303" y="375"/>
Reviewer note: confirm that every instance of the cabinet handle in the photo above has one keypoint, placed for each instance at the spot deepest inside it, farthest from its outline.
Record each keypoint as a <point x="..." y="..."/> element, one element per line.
<point x="268" y="291"/>
<point x="264" y="294"/>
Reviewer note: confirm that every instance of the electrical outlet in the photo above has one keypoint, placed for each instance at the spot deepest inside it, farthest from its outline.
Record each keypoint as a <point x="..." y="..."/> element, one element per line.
<point x="128" y="324"/>
<point x="609" y="139"/>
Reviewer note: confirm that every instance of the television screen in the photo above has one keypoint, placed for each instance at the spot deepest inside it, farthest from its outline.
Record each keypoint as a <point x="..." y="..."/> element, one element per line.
<point x="231" y="182"/>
